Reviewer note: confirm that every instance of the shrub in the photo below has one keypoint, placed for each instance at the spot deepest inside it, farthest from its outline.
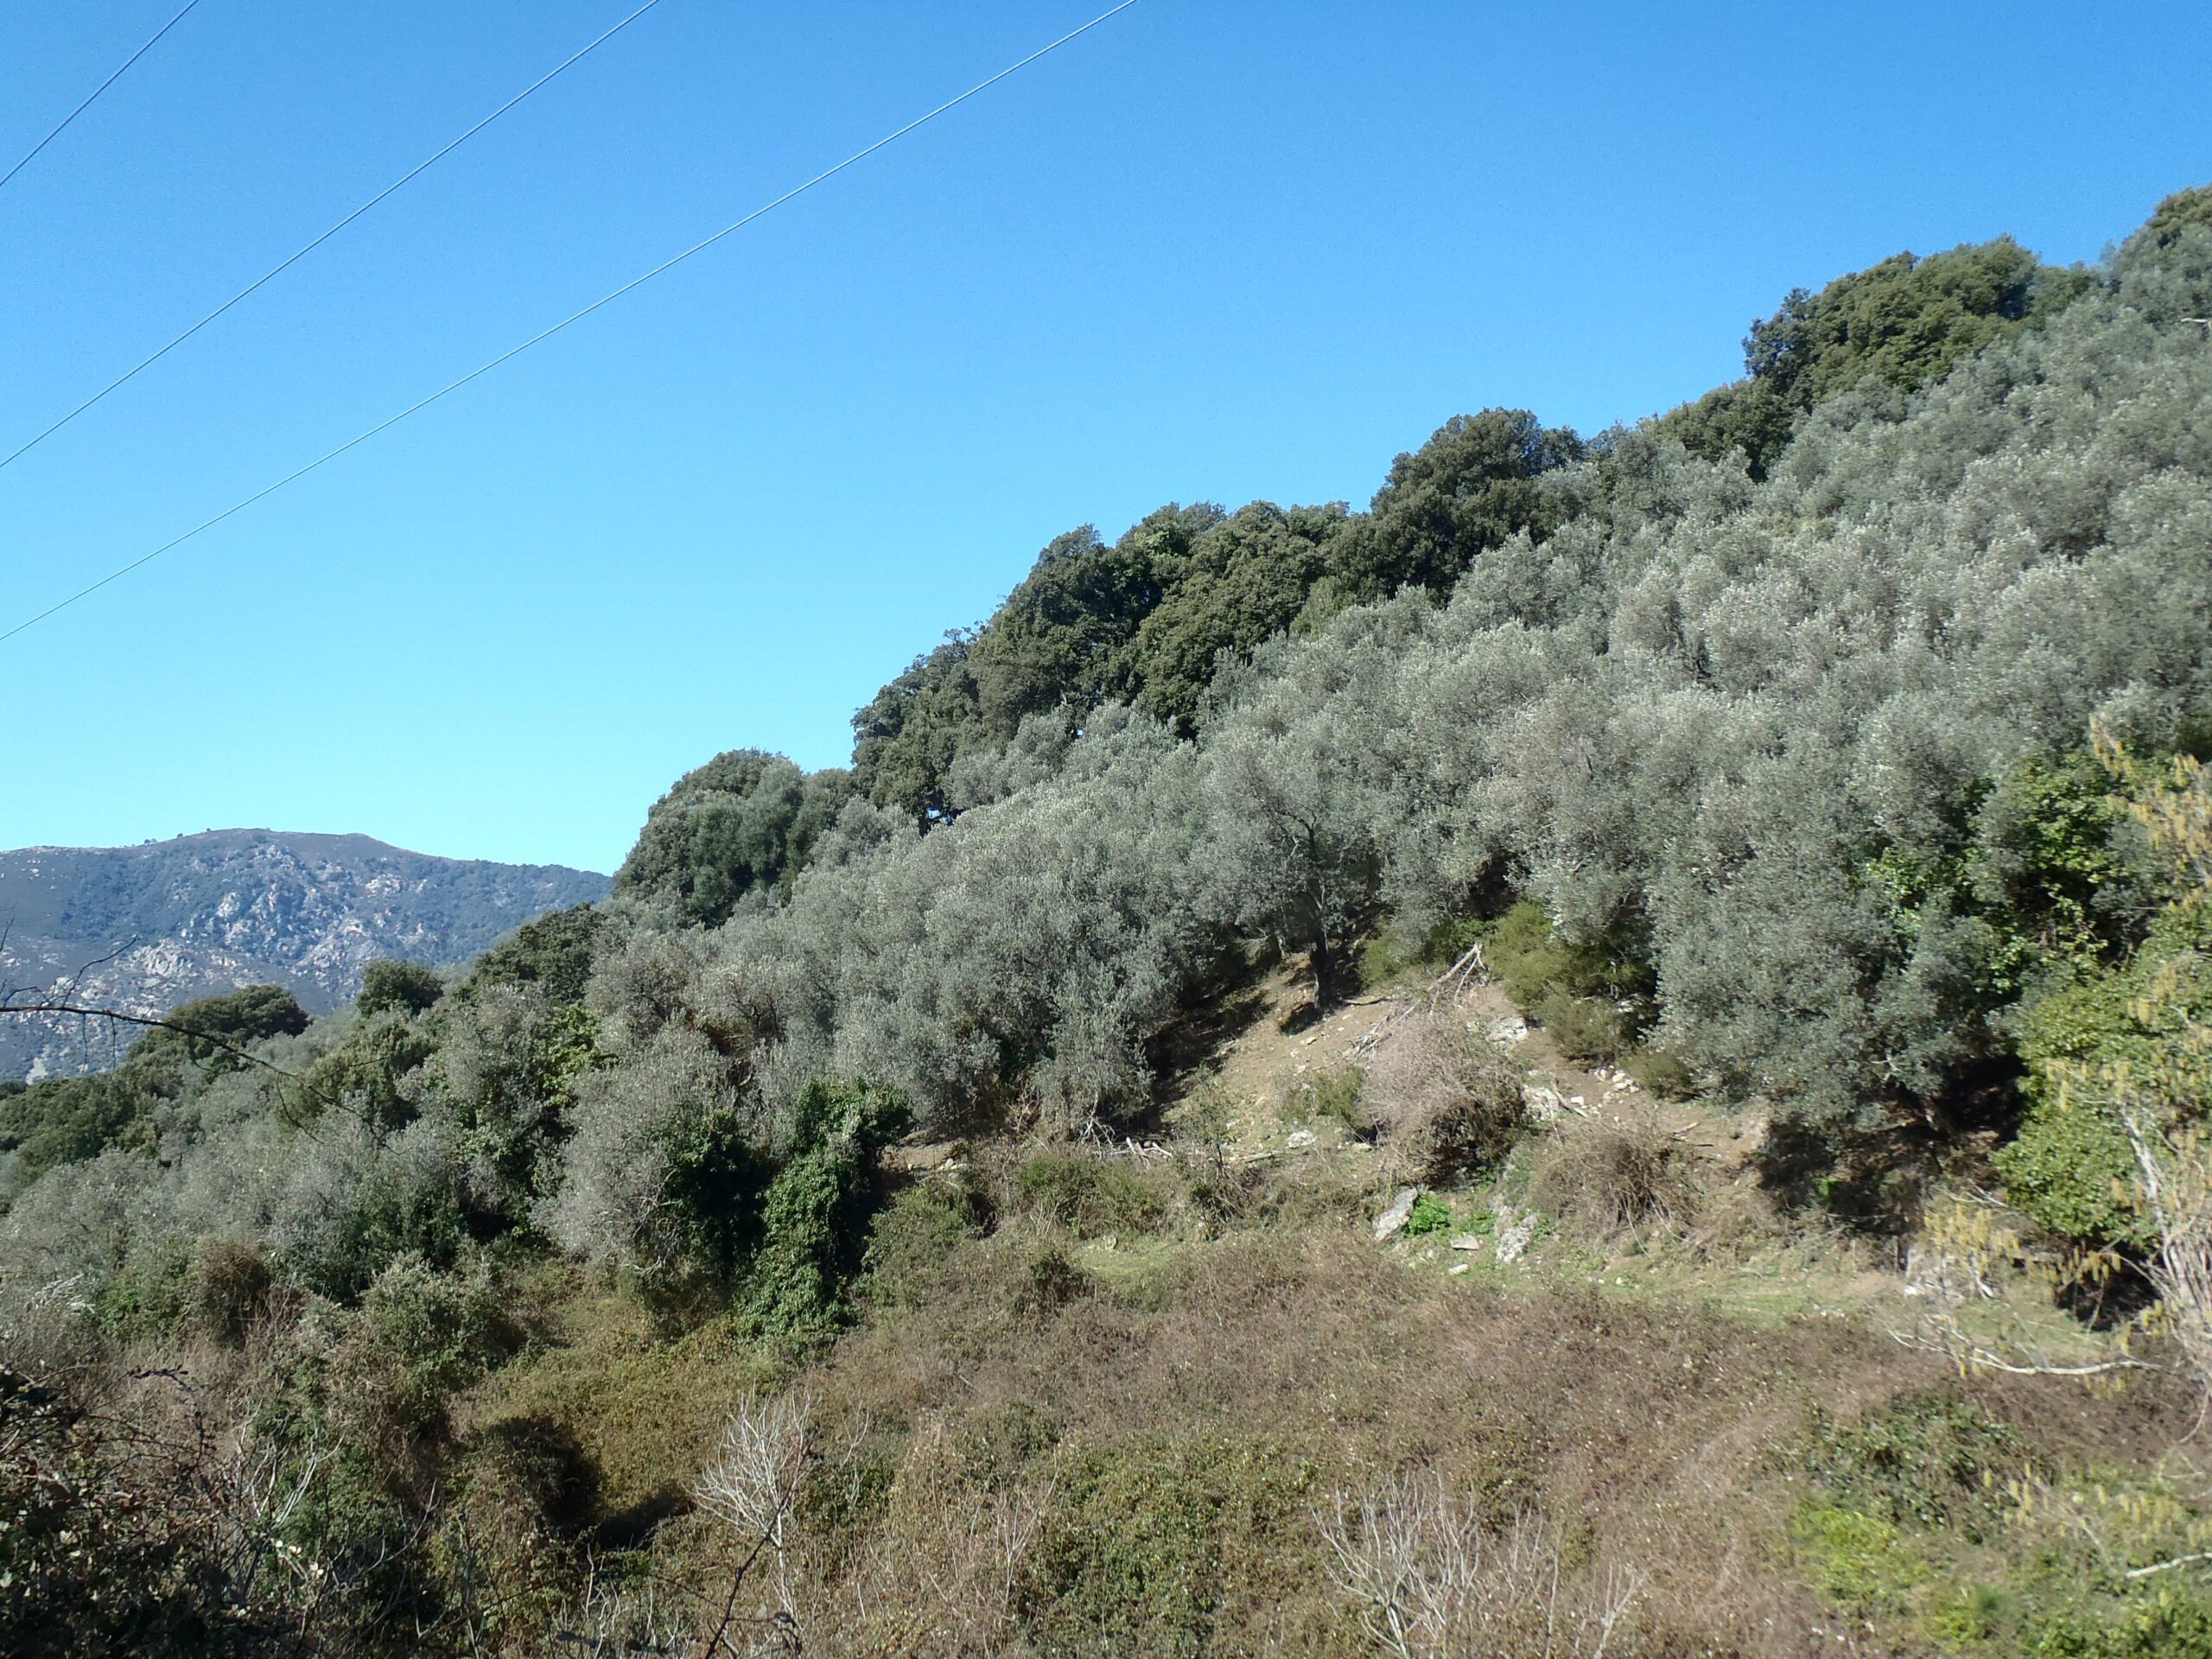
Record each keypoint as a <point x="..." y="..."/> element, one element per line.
<point x="663" y="1164"/>
<point x="1522" y="951"/>
<point x="145" y="1297"/>
<point x="1531" y="957"/>
<point x="1930" y="1462"/>
<point x="1449" y="1101"/>
<point x="1046" y="1279"/>
<point x="1093" y="1195"/>
<point x="1584" y="1028"/>
<point x="911" y="1239"/>
<point x="1334" y="1095"/>
<point x="815" y="1214"/>
<point x="1659" y="1071"/>
<point x="1398" y="951"/>
<point x="172" y="1289"/>
<point x="1432" y="1578"/>
<point x="2169" y="1622"/>
<point x="1430" y="1215"/>
<point x="1617" y="1172"/>
<point x="352" y="1202"/>
<point x="405" y="986"/>
<point x="523" y="1495"/>
<point x="421" y="1335"/>
<point x="508" y="1064"/>
<point x="1157" y="1544"/>
<point x="2070" y="1167"/>
<point x="228" y="1288"/>
<point x="1859" y="1561"/>
<point x="116" y="1542"/>
<point x="370" y="1076"/>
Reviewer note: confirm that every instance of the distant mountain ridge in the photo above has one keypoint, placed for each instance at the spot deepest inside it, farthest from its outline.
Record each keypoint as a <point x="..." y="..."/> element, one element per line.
<point x="145" y="928"/>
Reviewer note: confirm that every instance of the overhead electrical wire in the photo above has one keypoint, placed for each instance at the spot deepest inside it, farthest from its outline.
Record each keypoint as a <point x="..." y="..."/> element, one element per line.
<point x="95" y="93"/>
<point x="278" y="270"/>
<point x="573" y="317"/>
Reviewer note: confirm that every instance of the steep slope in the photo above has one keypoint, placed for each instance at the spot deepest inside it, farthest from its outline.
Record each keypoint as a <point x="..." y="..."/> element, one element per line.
<point x="145" y="928"/>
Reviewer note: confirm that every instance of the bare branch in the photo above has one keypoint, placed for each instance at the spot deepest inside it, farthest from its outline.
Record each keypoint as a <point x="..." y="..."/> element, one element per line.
<point x="153" y="1022"/>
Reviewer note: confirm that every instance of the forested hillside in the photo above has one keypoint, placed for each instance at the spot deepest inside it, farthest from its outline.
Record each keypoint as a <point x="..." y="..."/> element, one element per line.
<point x="146" y="928"/>
<point x="1745" y="873"/>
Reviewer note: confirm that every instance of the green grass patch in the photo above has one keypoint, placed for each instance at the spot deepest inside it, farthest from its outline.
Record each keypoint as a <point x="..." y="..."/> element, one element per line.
<point x="1861" y="1563"/>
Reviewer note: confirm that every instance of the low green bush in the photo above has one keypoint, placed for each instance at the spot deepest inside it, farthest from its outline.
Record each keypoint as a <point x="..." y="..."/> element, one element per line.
<point x="1335" y="1095"/>
<point x="1933" y="1461"/>
<point x="1046" y="1281"/>
<point x="1158" y="1545"/>
<point x="1584" y="1028"/>
<point x="423" y="1335"/>
<point x="911" y="1239"/>
<point x="1094" y="1195"/>
<point x="1522" y="951"/>
<point x="1397" y="951"/>
<point x="147" y="1295"/>
<point x="1530" y="957"/>
<point x="1659" y="1071"/>
<point x="2167" y="1622"/>
<point x="1860" y="1562"/>
<point x="1430" y="1215"/>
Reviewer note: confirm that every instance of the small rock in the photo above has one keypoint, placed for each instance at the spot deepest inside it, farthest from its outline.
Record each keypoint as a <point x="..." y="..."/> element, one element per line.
<point x="1459" y="1267"/>
<point x="1393" y="1220"/>
<point x="1300" y="1139"/>
<point x="1514" y="1237"/>
<point x="1508" y="1032"/>
<point x="1466" y="1241"/>
<point x="1546" y="1105"/>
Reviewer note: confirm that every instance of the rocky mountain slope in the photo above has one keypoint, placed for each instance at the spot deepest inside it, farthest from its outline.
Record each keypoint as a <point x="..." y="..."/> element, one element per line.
<point x="145" y="928"/>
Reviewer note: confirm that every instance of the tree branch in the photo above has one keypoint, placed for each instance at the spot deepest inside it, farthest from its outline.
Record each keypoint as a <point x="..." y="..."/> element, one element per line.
<point x="151" y="1022"/>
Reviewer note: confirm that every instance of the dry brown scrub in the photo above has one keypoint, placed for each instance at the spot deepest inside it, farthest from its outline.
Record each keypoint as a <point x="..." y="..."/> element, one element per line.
<point x="1137" y="1450"/>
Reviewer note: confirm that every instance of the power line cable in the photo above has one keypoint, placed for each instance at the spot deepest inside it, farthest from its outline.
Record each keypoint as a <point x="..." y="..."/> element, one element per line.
<point x="276" y="271"/>
<point x="573" y="317"/>
<point x="94" y="93"/>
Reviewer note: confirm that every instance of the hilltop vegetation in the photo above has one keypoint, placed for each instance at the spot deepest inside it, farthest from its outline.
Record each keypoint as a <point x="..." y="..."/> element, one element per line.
<point x="740" y="1259"/>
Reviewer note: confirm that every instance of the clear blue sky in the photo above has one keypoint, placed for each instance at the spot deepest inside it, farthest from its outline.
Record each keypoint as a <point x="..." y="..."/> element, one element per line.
<point x="1212" y="251"/>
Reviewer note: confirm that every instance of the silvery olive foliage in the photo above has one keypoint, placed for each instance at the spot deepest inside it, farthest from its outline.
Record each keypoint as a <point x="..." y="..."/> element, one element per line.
<point x="1747" y="722"/>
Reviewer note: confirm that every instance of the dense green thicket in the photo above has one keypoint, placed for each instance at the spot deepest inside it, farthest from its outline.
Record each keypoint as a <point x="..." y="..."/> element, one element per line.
<point x="745" y="822"/>
<point x="1146" y="621"/>
<point x="1903" y="323"/>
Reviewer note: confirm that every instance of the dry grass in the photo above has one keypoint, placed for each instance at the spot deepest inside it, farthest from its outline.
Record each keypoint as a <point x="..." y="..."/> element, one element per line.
<point x="1432" y="1578"/>
<point x="1446" y="1100"/>
<point x="1137" y="1448"/>
<point x="1140" y="1468"/>
<point x="1618" y="1170"/>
